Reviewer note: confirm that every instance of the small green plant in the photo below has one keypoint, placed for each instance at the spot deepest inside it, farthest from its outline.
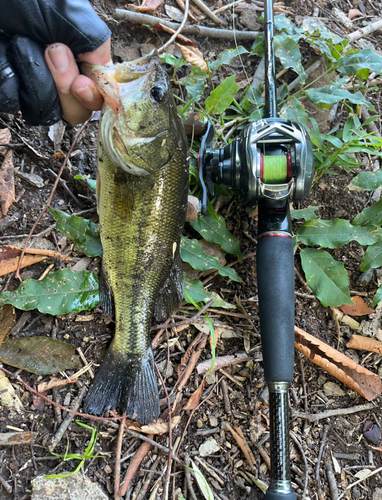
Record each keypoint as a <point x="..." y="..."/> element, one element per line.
<point x="88" y="454"/>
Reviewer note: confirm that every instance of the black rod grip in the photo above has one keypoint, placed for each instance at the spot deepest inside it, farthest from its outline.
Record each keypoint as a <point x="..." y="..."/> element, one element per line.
<point x="275" y="279"/>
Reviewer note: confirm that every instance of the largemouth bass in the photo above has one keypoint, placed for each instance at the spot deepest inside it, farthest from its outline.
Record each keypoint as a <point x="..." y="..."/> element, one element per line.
<point x="142" y="187"/>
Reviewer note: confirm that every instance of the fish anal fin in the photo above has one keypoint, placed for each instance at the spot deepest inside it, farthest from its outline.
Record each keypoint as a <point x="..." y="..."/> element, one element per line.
<point x="105" y="295"/>
<point x="170" y="297"/>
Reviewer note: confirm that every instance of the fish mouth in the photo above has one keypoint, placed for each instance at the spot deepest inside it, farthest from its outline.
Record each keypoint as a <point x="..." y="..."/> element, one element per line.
<point x="107" y="79"/>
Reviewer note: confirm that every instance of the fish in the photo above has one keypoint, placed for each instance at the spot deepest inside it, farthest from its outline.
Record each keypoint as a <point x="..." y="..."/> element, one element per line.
<point x="142" y="187"/>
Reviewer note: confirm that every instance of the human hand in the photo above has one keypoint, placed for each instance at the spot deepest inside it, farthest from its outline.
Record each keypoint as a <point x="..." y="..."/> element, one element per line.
<point x="72" y="29"/>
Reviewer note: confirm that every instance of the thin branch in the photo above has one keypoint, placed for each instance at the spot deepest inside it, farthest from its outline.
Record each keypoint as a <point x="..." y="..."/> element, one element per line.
<point x="181" y="26"/>
<point x="137" y="17"/>
<point x="332" y="413"/>
<point x="117" y="469"/>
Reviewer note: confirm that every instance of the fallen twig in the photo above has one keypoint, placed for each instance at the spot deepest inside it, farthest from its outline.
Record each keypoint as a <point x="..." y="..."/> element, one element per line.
<point x="299" y="446"/>
<point x="67" y="421"/>
<point x="117" y="469"/>
<point x="188" y="477"/>
<point x="356" y="35"/>
<point x="333" y="413"/>
<point x="7" y="487"/>
<point x="136" y="17"/>
<point x="146" y="484"/>
<point x="136" y="460"/>
<point x="202" y="6"/>
<point x="238" y="435"/>
<point x="376" y="471"/>
<point x="319" y="458"/>
<point x="149" y="440"/>
<point x="192" y="359"/>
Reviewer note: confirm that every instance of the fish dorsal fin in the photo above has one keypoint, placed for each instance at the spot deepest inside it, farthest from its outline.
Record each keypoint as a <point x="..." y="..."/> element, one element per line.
<point x="171" y="295"/>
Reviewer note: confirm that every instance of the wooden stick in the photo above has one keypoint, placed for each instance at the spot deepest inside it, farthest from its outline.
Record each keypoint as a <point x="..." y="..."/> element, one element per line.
<point x="117" y="470"/>
<point x="356" y="35"/>
<point x="137" y="17"/>
<point x="202" y="6"/>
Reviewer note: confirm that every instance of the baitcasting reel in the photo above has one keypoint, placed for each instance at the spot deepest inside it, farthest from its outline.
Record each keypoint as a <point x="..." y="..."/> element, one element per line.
<point x="272" y="158"/>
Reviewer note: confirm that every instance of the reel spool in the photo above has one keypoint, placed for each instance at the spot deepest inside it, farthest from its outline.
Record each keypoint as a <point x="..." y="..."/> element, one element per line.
<point x="272" y="158"/>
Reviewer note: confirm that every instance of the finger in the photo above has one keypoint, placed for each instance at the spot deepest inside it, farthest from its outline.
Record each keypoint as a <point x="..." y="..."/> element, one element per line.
<point x="61" y="63"/>
<point x="83" y="87"/>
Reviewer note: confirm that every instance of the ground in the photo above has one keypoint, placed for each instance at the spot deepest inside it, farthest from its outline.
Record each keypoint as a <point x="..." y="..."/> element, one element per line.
<point x="237" y="400"/>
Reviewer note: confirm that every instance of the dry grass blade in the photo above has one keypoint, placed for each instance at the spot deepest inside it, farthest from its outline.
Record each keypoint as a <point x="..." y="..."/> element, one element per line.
<point x="364" y="344"/>
<point x="238" y="435"/>
<point x="359" y="379"/>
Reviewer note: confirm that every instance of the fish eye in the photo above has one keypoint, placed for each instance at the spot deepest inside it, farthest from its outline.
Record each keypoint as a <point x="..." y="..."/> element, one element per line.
<point x="158" y="93"/>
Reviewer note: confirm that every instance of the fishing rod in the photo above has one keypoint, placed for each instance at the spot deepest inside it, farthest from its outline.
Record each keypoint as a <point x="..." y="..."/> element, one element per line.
<point x="270" y="163"/>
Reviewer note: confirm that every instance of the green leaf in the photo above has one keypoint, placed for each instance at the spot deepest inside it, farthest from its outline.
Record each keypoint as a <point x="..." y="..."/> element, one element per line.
<point x="305" y="213"/>
<point x="197" y="293"/>
<point x="82" y="231"/>
<point x="217" y="232"/>
<point x="332" y="94"/>
<point x="377" y="297"/>
<point x="192" y="252"/>
<point x="92" y="183"/>
<point x="61" y="292"/>
<point x="350" y="64"/>
<point x="39" y="355"/>
<point x="368" y="180"/>
<point x="178" y="62"/>
<point x="326" y="277"/>
<point x="283" y="23"/>
<point x="258" y="46"/>
<point x="194" y="83"/>
<point x="222" y="96"/>
<point x="293" y="110"/>
<point x="288" y="51"/>
<point x="370" y="216"/>
<point x="372" y="257"/>
<point x="226" y="57"/>
<point x="336" y="233"/>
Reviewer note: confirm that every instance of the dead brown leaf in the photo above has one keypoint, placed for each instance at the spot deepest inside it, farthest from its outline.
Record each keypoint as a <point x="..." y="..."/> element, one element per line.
<point x="194" y="400"/>
<point x="7" y="178"/>
<point x="193" y="56"/>
<point x="9" y="257"/>
<point x="7" y="321"/>
<point x="355" y="376"/>
<point x="147" y="5"/>
<point x="55" y="382"/>
<point x="360" y="308"/>
<point x="238" y="435"/>
<point x="180" y="38"/>
<point x="221" y="362"/>
<point x="159" y="427"/>
<point x="38" y="403"/>
<point x="354" y="13"/>
<point x="280" y="7"/>
<point x="190" y="14"/>
<point x="364" y="344"/>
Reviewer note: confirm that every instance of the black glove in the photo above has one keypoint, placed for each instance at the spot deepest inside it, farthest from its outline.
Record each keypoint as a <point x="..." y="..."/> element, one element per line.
<point x="28" y="27"/>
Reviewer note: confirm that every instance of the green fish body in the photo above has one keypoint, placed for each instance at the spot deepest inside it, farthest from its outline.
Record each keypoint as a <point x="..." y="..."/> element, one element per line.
<point x="142" y="198"/>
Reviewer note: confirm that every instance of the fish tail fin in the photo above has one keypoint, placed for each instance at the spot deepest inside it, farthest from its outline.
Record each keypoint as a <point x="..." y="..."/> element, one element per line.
<point x="126" y="382"/>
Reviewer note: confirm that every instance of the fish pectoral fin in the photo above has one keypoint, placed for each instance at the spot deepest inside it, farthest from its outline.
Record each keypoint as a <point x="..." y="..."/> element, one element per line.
<point x="106" y="299"/>
<point x="170" y="297"/>
<point x="125" y="381"/>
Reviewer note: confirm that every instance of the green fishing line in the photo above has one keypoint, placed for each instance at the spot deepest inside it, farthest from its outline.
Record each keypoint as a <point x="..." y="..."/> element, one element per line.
<point x="275" y="169"/>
